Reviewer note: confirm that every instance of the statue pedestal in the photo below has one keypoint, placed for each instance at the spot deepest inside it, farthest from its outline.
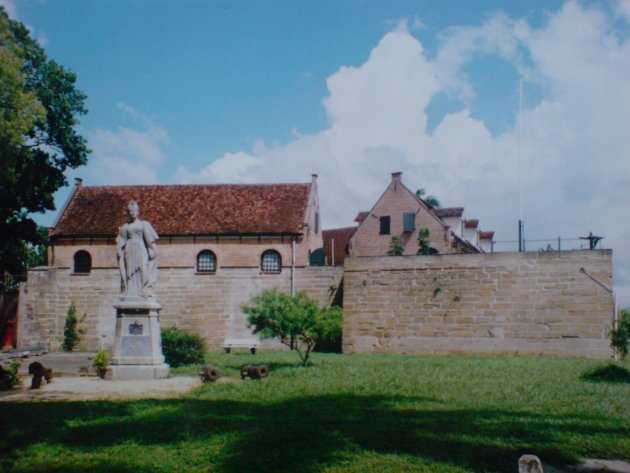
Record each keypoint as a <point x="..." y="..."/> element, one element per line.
<point x="138" y="342"/>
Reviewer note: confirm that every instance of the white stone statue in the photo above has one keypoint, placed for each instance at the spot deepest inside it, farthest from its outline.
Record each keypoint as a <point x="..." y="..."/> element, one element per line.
<point x="137" y="255"/>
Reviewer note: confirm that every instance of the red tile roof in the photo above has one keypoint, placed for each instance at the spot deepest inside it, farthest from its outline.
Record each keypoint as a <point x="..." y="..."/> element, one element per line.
<point x="189" y="209"/>
<point x="449" y="212"/>
<point x="471" y="223"/>
<point x="361" y="216"/>
<point x="486" y="235"/>
<point x="341" y="237"/>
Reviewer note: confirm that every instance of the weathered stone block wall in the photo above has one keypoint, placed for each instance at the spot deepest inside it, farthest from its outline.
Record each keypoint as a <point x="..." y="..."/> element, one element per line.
<point x="501" y="303"/>
<point x="208" y="304"/>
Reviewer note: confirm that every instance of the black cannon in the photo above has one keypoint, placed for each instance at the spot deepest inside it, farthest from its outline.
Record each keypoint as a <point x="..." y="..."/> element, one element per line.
<point x="209" y="373"/>
<point x="254" y="371"/>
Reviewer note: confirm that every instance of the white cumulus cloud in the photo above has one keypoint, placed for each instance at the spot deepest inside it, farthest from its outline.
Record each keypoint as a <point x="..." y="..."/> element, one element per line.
<point x="127" y="155"/>
<point x="572" y="140"/>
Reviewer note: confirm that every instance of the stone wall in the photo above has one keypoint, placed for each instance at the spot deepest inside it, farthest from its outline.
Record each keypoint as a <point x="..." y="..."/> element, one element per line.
<point x="208" y="304"/>
<point x="502" y="303"/>
<point x="516" y="303"/>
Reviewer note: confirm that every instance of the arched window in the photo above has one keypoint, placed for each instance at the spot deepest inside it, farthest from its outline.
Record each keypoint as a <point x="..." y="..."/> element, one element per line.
<point x="270" y="262"/>
<point x="206" y="262"/>
<point x="82" y="262"/>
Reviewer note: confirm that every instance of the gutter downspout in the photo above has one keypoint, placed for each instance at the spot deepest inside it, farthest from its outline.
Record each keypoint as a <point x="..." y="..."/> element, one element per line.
<point x="293" y="266"/>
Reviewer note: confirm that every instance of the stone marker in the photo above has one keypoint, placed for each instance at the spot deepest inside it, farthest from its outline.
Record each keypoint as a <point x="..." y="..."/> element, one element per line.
<point x="530" y="464"/>
<point x="138" y="341"/>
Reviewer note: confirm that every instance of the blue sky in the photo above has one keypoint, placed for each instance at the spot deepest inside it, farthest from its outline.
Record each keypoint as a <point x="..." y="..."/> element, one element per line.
<point x="271" y="91"/>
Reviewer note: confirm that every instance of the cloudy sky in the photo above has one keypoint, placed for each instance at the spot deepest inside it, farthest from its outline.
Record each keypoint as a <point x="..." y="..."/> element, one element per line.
<point x="472" y="101"/>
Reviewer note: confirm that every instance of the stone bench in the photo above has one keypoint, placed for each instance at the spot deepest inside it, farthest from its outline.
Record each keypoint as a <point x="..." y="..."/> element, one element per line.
<point x="243" y="343"/>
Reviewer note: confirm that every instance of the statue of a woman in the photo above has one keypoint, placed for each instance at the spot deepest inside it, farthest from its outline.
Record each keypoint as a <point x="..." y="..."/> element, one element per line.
<point x="137" y="255"/>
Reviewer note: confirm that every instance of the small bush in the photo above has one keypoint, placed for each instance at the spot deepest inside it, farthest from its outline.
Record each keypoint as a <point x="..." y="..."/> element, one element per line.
<point x="181" y="347"/>
<point x="101" y="363"/>
<point x="396" y="247"/>
<point x="9" y="377"/>
<point x="298" y="318"/>
<point x="620" y="335"/>
<point x="71" y="331"/>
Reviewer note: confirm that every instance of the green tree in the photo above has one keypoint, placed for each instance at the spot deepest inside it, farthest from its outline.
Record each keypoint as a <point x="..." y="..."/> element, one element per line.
<point x="620" y="335"/>
<point x="38" y="111"/>
<point x="424" y="244"/>
<point x="276" y="314"/>
<point x="71" y="331"/>
<point x="396" y="247"/>
<point x="430" y="199"/>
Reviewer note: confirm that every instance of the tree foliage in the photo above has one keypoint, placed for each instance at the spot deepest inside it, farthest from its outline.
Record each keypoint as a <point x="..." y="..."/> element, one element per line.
<point x="299" y="318"/>
<point x="620" y="335"/>
<point x="424" y="243"/>
<point x="430" y="199"/>
<point x="71" y="331"/>
<point x="39" y="106"/>
<point x="396" y="247"/>
<point x="181" y="347"/>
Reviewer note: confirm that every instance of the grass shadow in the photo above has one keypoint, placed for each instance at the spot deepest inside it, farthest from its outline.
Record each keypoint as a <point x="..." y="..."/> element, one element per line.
<point x="610" y="373"/>
<point x="305" y="434"/>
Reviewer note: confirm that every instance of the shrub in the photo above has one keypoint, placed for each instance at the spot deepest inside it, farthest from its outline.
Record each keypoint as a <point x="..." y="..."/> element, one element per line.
<point x="9" y="377"/>
<point x="71" y="331"/>
<point x="275" y="314"/>
<point x="620" y="335"/>
<point x="424" y="244"/>
<point x="181" y="347"/>
<point x="396" y="247"/>
<point x="101" y="363"/>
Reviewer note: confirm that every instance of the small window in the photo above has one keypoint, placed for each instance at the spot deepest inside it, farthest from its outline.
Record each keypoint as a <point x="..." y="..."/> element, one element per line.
<point x="316" y="223"/>
<point x="271" y="262"/>
<point x="82" y="262"/>
<point x="206" y="262"/>
<point x="385" y="221"/>
<point x="409" y="222"/>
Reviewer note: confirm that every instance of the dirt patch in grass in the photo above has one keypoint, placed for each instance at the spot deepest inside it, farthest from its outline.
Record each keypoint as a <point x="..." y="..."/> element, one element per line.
<point x="92" y="388"/>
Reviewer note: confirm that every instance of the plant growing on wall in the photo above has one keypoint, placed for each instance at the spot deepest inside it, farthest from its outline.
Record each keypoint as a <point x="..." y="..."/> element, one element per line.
<point x="275" y="314"/>
<point x="620" y="335"/>
<point x="396" y="247"/>
<point x="424" y="244"/>
<point x="71" y="332"/>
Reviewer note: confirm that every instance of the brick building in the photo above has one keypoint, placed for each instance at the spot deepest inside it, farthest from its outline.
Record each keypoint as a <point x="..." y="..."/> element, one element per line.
<point x="399" y="212"/>
<point x="272" y="227"/>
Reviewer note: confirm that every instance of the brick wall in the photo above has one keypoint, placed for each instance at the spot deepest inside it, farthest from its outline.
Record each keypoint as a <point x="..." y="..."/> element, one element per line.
<point x="514" y="303"/>
<point x="395" y="201"/>
<point x="182" y="252"/>
<point x="208" y="304"/>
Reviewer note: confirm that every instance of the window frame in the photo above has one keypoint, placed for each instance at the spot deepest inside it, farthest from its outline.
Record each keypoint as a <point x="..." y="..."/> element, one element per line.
<point x="409" y="222"/>
<point x="264" y="264"/>
<point x="385" y="225"/>
<point x="204" y="253"/>
<point x="78" y="266"/>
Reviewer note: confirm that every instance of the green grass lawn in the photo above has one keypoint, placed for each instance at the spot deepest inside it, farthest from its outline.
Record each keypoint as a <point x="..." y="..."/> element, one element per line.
<point x="347" y="413"/>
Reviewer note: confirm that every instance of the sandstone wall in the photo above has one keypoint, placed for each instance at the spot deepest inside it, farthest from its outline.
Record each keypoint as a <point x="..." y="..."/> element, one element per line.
<point x="515" y="303"/>
<point x="512" y="303"/>
<point x="208" y="304"/>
